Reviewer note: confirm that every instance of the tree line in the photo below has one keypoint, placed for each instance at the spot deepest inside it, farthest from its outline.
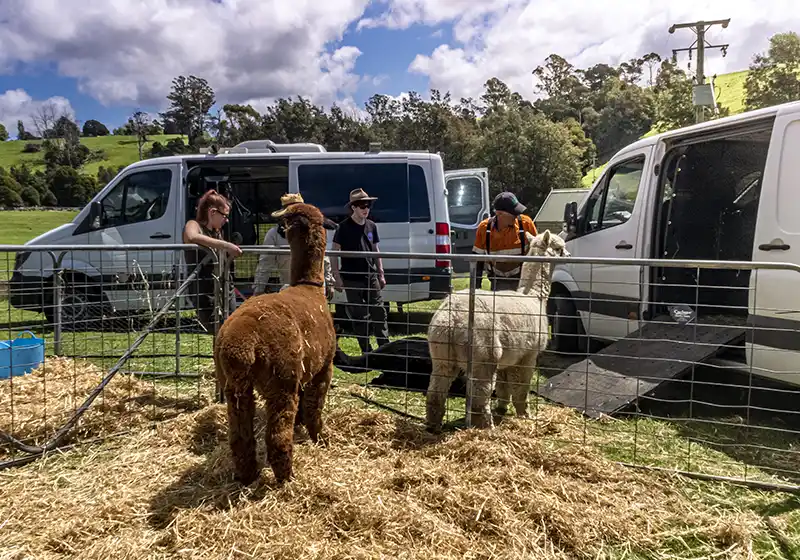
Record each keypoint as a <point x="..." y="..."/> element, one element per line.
<point x="580" y="118"/>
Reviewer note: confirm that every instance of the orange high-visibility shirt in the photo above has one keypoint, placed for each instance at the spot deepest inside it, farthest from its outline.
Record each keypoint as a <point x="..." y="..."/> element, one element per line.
<point x="502" y="242"/>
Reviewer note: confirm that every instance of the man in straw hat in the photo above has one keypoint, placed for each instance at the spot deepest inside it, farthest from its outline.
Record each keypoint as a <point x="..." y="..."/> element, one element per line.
<point x="271" y="263"/>
<point x="361" y="278"/>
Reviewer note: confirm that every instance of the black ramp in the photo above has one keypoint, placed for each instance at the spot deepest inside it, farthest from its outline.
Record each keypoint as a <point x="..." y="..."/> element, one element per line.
<point x="633" y="366"/>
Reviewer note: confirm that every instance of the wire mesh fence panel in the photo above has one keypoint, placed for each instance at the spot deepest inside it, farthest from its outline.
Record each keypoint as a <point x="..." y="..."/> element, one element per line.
<point x="657" y="373"/>
<point x="684" y="365"/>
<point x="99" y="340"/>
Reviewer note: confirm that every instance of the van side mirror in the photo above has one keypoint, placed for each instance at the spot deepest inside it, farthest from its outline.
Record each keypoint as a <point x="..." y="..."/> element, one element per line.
<point x="571" y="218"/>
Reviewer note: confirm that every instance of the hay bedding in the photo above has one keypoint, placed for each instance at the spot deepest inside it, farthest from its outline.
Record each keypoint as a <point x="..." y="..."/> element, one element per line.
<point x="34" y="406"/>
<point x="383" y="489"/>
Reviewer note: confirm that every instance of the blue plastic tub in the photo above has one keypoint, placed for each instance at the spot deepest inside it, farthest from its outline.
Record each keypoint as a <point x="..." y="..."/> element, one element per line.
<point x="21" y="355"/>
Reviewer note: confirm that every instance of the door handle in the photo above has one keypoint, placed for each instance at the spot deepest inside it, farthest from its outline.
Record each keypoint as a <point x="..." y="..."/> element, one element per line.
<point x="160" y="236"/>
<point x="774" y="247"/>
<point x="623" y="245"/>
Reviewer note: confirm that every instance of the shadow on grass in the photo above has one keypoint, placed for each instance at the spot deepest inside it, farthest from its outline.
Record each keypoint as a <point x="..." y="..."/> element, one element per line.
<point x="752" y="422"/>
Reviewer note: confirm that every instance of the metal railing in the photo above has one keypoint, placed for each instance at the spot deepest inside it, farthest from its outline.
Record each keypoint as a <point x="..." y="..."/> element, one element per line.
<point x="686" y="383"/>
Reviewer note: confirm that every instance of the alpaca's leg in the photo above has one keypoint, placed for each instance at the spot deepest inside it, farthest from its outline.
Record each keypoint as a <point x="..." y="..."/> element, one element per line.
<point x="241" y="410"/>
<point x="480" y="389"/>
<point x="521" y="387"/>
<point x="281" y="400"/>
<point x="503" y="392"/>
<point x="442" y="375"/>
<point x="314" y="402"/>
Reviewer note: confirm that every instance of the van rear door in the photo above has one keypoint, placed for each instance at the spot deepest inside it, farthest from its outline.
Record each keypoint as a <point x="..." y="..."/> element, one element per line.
<point x="468" y="204"/>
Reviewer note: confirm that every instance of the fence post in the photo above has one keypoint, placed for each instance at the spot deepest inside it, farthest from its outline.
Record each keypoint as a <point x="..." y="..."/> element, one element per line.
<point x="470" y="335"/>
<point x="220" y="308"/>
<point x="178" y="308"/>
<point x="57" y="300"/>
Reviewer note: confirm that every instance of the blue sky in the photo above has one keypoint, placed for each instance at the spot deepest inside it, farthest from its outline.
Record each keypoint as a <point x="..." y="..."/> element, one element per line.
<point x="104" y="59"/>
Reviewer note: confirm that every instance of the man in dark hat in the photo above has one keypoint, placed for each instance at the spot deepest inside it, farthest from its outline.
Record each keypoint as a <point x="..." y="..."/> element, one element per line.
<point x="503" y="234"/>
<point x="361" y="278"/>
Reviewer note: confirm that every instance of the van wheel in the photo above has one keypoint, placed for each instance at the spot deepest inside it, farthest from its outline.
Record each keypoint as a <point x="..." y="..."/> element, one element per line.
<point x="565" y="325"/>
<point x="81" y="305"/>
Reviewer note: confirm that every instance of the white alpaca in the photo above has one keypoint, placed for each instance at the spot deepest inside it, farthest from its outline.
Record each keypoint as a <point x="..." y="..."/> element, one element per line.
<point x="509" y="330"/>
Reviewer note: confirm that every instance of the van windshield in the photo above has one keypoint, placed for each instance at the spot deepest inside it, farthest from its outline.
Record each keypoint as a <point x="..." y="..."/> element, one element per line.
<point x="464" y="199"/>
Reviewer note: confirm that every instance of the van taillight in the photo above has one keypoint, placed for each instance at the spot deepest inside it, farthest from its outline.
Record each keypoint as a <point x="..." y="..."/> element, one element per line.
<point x="442" y="242"/>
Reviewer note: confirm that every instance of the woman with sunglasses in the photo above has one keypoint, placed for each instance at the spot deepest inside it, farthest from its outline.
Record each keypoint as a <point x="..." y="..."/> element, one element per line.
<point x="213" y="210"/>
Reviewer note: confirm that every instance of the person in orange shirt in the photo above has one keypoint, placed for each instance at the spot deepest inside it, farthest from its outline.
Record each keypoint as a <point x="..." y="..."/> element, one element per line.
<point x="503" y="234"/>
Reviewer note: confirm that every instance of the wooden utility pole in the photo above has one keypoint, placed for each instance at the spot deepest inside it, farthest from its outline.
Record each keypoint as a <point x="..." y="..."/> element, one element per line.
<point x="700" y="28"/>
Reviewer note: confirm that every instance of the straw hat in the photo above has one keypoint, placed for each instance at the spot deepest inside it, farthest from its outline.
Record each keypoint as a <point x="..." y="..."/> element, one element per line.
<point x="359" y="195"/>
<point x="286" y="201"/>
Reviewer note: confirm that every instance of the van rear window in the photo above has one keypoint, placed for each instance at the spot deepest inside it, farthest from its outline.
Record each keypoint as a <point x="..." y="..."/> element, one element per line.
<point x="401" y="189"/>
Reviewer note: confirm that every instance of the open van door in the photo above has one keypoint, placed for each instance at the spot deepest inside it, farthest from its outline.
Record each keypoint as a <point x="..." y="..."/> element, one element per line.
<point x="468" y="204"/>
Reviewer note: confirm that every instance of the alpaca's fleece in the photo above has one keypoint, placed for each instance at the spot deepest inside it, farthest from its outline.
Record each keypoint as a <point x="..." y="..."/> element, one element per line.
<point x="282" y="345"/>
<point x="510" y="328"/>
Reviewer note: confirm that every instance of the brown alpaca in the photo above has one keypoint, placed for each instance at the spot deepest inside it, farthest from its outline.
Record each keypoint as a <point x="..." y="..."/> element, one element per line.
<point x="281" y="344"/>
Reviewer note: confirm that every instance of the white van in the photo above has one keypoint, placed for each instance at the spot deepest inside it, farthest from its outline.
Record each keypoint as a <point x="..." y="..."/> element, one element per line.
<point x="150" y="201"/>
<point x="720" y="190"/>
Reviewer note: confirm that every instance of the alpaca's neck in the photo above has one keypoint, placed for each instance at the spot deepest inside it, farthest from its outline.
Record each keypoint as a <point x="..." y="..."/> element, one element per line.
<point x="535" y="279"/>
<point x="307" y="258"/>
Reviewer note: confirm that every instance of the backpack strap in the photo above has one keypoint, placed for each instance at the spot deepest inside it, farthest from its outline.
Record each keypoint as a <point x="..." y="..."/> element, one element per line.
<point x="489" y="234"/>
<point x="522" y="236"/>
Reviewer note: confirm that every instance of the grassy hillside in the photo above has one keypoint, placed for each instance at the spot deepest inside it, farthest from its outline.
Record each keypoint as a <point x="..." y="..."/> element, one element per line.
<point x="119" y="150"/>
<point x="729" y="89"/>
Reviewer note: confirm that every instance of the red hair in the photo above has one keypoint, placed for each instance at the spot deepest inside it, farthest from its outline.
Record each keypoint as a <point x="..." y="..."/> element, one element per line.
<point x="211" y="199"/>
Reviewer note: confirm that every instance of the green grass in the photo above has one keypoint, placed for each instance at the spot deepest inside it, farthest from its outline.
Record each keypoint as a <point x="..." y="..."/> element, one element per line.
<point x="119" y="151"/>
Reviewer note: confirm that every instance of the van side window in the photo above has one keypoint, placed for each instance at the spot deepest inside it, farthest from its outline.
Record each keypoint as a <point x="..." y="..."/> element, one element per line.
<point x="139" y="197"/>
<point x="419" y="207"/>
<point x="612" y="202"/>
<point x="400" y="188"/>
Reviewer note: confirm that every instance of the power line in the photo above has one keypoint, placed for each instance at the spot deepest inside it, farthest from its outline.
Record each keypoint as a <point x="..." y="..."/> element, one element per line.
<point x="700" y="44"/>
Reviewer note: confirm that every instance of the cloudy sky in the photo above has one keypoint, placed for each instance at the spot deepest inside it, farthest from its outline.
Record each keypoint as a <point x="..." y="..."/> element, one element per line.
<point x="104" y="59"/>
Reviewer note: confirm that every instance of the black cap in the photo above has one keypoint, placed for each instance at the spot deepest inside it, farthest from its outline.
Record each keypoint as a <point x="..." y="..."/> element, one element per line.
<point x="507" y="202"/>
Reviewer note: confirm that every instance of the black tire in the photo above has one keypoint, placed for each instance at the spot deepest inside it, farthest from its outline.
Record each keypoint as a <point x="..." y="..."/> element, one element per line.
<point x="81" y="305"/>
<point x="566" y="334"/>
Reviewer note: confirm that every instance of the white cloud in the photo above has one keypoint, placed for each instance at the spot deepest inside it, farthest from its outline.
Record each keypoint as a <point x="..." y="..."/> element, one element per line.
<point x="509" y="38"/>
<point x="17" y="104"/>
<point x="128" y="52"/>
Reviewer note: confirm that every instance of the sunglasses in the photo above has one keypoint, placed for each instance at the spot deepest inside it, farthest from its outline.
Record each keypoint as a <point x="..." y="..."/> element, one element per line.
<point x="221" y="213"/>
<point x="362" y="205"/>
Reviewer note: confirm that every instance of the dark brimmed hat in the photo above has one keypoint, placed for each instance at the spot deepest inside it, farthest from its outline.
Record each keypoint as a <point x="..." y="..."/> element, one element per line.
<point x="359" y="195"/>
<point x="507" y="202"/>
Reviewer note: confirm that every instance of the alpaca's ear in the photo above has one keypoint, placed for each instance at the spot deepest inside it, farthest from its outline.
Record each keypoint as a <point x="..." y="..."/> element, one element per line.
<point x="546" y="237"/>
<point x="329" y="224"/>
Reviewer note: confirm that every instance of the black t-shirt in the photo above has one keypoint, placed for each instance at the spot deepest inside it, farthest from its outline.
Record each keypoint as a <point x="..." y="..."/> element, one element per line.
<point x="354" y="237"/>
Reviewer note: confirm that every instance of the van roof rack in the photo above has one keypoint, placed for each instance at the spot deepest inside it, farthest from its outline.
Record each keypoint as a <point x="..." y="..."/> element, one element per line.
<point x="268" y="146"/>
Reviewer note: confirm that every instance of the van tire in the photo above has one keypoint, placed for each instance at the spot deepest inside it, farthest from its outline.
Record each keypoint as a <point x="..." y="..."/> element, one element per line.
<point x="81" y="304"/>
<point x="566" y="336"/>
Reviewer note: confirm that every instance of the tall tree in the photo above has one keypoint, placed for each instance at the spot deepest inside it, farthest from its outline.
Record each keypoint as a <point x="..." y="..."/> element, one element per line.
<point x="3" y="133"/>
<point x="773" y="77"/>
<point x="139" y="124"/>
<point x="191" y="99"/>
<point x="94" y="128"/>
